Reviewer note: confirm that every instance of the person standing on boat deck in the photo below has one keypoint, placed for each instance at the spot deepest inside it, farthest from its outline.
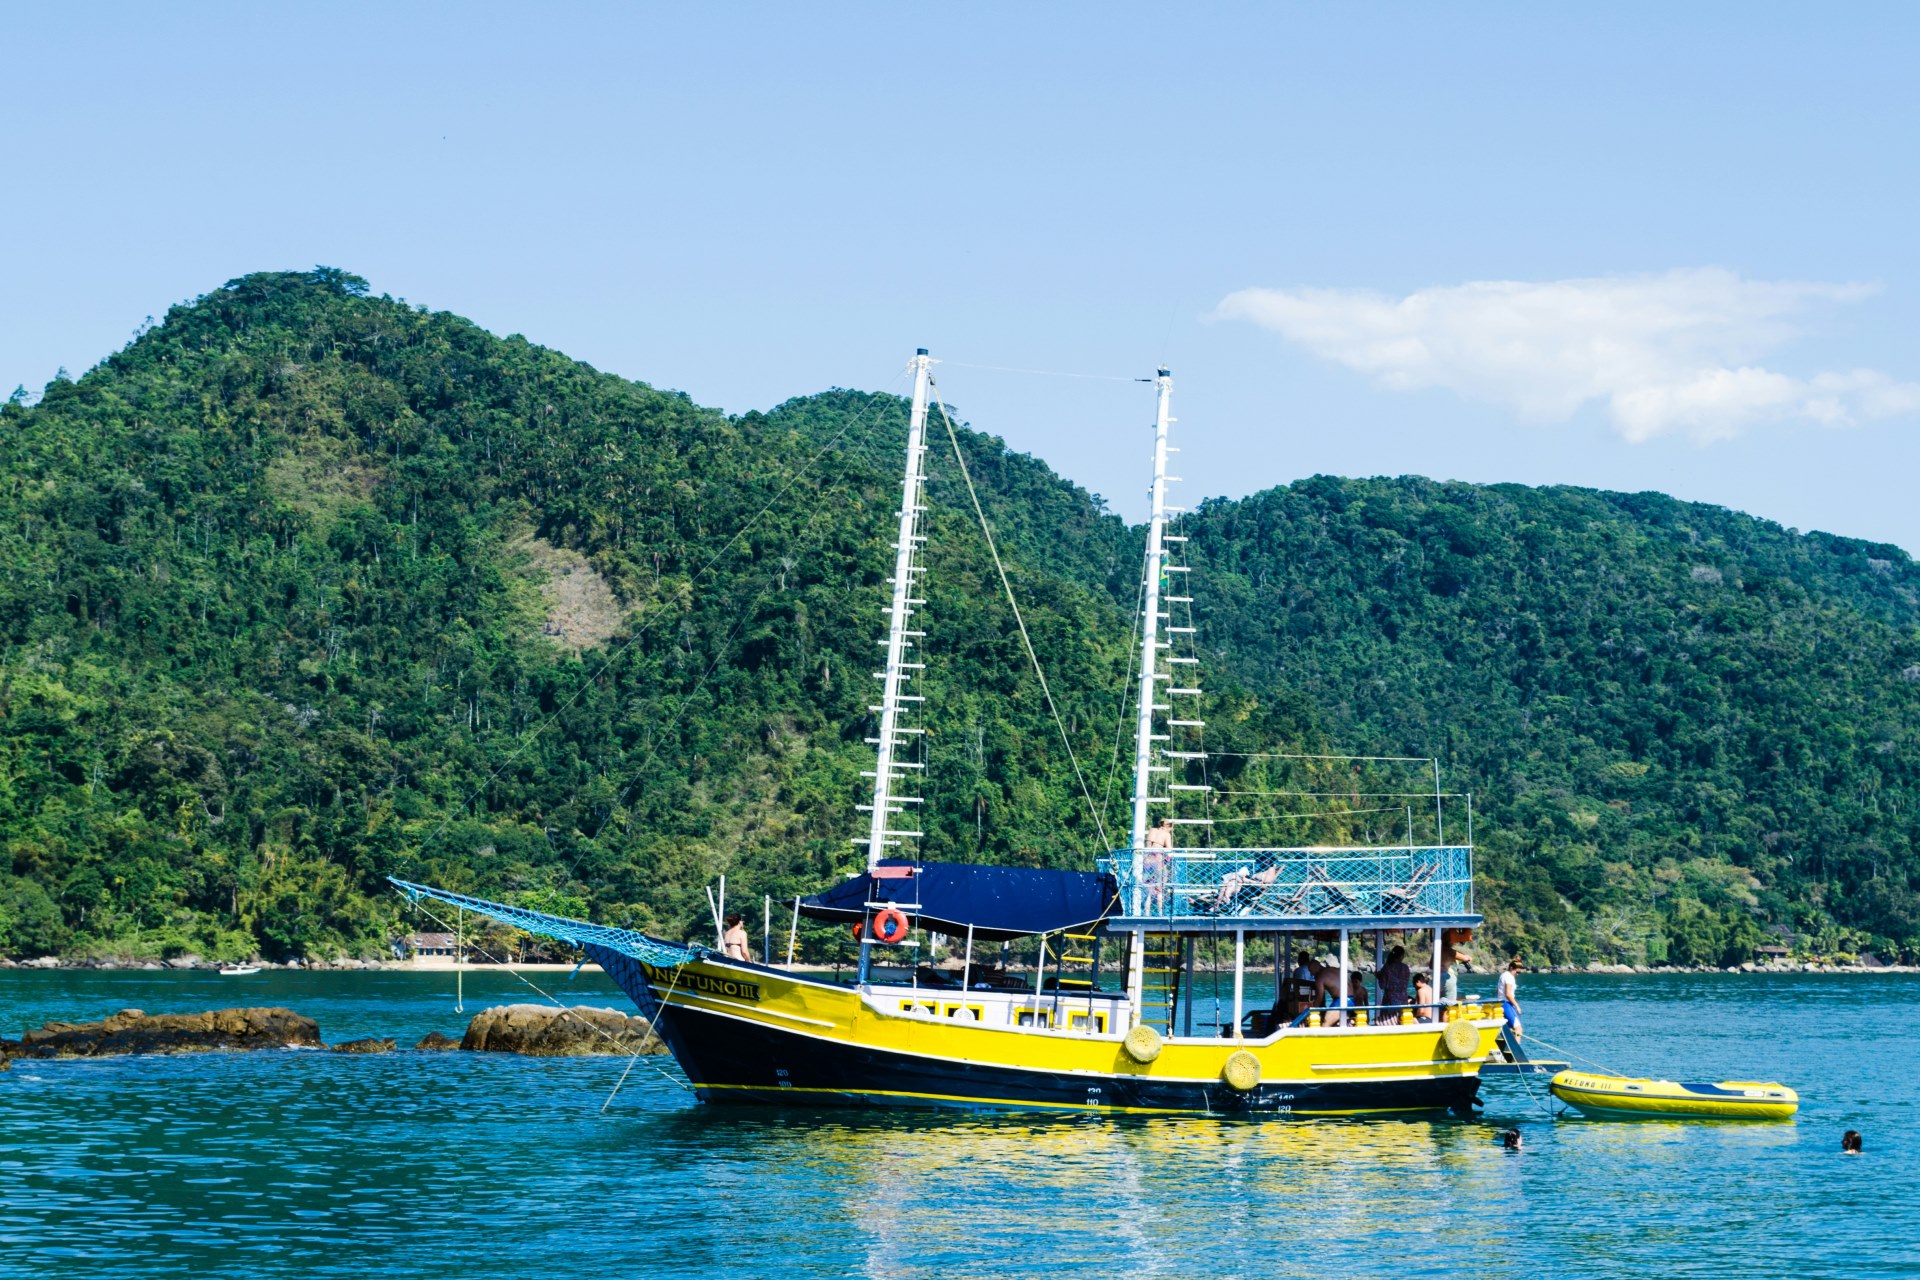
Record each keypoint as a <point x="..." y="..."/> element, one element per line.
<point x="1510" y="993"/>
<point x="1423" y="998"/>
<point x="1450" y="980"/>
<point x="1394" y="977"/>
<point x="1156" y="862"/>
<point x="735" y="941"/>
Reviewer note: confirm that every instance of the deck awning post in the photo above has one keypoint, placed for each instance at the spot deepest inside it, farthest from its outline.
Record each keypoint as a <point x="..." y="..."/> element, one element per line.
<point x="1437" y="962"/>
<point x="1186" y="985"/>
<point x="1137" y="977"/>
<point x="1346" y="982"/>
<point x="1239" y="976"/>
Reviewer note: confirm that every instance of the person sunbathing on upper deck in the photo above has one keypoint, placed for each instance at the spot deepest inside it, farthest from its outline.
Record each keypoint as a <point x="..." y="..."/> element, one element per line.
<point x="1242" y="887"/>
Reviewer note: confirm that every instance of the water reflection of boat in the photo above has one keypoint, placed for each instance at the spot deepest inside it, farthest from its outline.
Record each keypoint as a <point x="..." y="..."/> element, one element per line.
<point x="1080" y="1034"/>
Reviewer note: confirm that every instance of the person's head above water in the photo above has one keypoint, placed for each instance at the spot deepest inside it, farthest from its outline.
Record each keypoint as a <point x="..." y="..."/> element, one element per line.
<point x="1511" y="1139"/>
<point x="1850" y="1142"/>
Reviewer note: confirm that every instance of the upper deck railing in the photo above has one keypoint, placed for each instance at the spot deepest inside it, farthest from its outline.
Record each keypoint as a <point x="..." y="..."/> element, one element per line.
<point x="1404" y="883"/>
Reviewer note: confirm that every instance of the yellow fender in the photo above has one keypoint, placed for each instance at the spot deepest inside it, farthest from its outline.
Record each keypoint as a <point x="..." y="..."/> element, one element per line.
<point x="1461" y="1039"/>
<point x="1143" y="1044"/>
<point x="1242" y="1071"/>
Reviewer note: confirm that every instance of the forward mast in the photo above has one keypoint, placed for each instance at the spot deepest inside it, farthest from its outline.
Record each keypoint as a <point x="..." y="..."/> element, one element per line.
<point x="889" y="800"/>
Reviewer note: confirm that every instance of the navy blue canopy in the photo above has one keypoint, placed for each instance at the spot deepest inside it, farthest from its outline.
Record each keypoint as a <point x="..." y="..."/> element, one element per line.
<point x="999" y="902"/>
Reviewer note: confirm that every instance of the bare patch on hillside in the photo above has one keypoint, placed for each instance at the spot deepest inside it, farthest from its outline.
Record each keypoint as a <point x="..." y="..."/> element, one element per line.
<point x="320" y="477"/>
<point x="582" y="611"/>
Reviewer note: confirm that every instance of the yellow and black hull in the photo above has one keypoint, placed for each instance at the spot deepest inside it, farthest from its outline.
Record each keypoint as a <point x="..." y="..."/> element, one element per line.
<point x="748" y="1034"/>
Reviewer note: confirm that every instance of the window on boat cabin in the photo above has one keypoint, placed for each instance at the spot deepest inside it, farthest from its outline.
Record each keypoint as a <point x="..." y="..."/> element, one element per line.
<point x="1080" y="1021"/>
<point x="965" y="1011"/>
<point x="1032" y="1018"/>
<point x="915" y="1006"/>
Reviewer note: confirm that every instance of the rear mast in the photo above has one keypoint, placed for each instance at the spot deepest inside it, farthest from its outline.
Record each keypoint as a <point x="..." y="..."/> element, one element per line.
<point x="1153" y="673"/>
<point x="1150" y="673"/>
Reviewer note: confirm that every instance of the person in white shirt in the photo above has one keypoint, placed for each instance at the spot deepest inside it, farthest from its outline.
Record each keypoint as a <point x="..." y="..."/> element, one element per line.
<point x="1510" y="993"/>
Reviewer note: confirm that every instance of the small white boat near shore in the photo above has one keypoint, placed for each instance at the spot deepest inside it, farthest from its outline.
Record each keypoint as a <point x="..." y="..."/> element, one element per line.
<point x="238" y="970"/>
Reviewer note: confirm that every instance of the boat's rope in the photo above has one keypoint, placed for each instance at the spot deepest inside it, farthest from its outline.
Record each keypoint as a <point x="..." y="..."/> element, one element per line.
<point x="634" y="636"/>
<point x="953" y="437"/>
<point x="1044" y="373"/>
<point x="660" y="734"/>
<point x="1571" y="1056"/>
<point x="652" y="1032"/>
<point x="1546" y="1103"/>
<point x="1126" y="693"/>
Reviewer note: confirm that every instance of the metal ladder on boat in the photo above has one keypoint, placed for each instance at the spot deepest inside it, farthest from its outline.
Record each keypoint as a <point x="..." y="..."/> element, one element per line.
<point x="1160" y="985"/>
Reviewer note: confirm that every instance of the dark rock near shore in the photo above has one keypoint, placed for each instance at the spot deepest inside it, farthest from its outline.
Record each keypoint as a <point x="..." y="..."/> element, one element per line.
<point x="544" y="1031"/>
<point x="434" y="1042"/>
<point x="366" y="1044"/>
<point x="132" y="1031"/>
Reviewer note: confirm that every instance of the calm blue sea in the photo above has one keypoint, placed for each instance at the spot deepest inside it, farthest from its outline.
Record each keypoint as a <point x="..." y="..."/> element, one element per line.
<point x="457" y="1165"/>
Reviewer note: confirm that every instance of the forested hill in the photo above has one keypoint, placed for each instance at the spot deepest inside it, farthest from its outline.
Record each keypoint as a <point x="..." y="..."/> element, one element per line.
<point x="306" y="587"/>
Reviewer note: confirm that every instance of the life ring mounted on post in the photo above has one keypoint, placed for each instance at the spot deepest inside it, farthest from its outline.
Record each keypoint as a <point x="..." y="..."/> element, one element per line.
<point x="890" y="926"/>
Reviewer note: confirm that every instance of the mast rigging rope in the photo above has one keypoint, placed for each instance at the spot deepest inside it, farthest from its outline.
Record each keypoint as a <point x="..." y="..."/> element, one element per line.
<point x="953" y="438"/>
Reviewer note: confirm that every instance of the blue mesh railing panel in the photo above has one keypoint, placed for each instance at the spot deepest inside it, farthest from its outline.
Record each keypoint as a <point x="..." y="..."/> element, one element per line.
<point x="624" y="941"/>
<point x="1308" y="883"/>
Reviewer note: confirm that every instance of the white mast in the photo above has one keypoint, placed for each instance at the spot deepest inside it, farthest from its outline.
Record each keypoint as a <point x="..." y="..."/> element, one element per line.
<point x="1150" y="642"/>
<point x="899" y="639"/>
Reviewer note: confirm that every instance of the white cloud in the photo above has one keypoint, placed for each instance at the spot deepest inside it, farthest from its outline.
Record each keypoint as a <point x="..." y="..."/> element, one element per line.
<point x="1663" y="353"/>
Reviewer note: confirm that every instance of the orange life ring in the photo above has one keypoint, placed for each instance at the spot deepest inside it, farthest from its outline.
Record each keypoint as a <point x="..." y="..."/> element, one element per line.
<point x="890" y="926"/>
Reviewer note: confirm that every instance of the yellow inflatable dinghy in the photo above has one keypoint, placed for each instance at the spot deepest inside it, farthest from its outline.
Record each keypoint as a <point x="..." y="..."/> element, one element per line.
<point x="1724" y="1100"/>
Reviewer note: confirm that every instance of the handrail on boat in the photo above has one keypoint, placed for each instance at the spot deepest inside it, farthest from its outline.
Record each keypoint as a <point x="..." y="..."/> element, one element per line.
<point x="1311" y="883"/>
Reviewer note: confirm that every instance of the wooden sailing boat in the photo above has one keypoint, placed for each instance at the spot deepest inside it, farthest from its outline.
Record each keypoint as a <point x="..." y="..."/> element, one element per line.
<point x="908" y="1035"/>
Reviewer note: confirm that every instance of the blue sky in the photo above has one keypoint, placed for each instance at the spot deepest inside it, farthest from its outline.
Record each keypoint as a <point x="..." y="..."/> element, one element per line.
<point x="1659" y="246"/>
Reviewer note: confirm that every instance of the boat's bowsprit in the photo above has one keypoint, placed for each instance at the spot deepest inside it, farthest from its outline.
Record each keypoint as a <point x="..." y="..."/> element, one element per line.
<point x="580" y="933"/>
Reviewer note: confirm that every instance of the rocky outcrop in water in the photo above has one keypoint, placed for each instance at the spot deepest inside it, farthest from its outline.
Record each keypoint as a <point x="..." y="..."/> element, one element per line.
<point x="434" y="1042"/>
<point x="366" y="1044"/>
<point x="544" y="1031"/>
<point x="134" y="1031"/>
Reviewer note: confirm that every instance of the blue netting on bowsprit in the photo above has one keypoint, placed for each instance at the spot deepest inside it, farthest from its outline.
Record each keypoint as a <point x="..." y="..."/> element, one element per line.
<point x="624" y="941"/>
